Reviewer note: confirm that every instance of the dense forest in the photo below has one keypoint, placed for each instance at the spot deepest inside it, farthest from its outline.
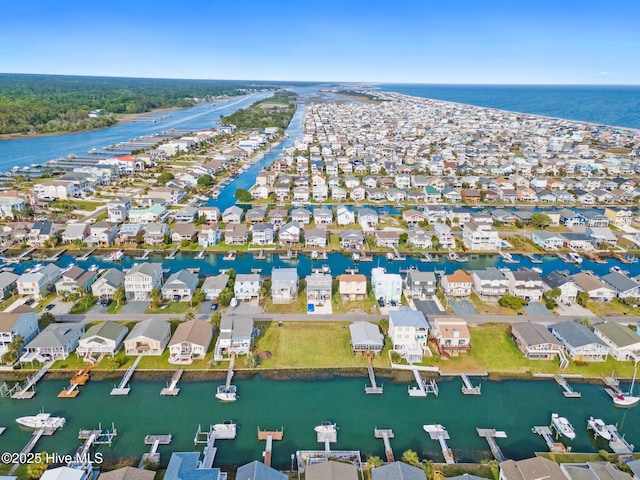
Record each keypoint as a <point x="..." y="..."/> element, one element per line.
<point x="275" y="111"/>
<point x="36" y="104"/>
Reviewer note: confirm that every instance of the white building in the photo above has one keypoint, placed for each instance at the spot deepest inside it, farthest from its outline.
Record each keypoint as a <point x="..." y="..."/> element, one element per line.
<point x="386" y="286"/>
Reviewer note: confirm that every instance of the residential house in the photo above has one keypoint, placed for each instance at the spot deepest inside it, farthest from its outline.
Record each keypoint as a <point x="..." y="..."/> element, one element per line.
<point x="413" y="217"/>
<point x="409" y="331"/>
<point x="130" y="234"/>
<point x="55" y="342"/>
<point x="525" y="283"/>
<point x="187" y="466"/>
<point x="399" y="471"/>
<point x="620" y="217"/>
<point x="352" y="240"/>
<point x="211" y="214"/>
<point x="255" y="215"/>
<point x="104" y="338"/>
<point x="368" y="219"/>
<point x="118" y="210"/>
<point x="262" y="234"/>
<point x="593" y="471"/>
<point x="156" y="233"/>
<point x="180" y="286"/>
<point x="37" y="283"/>
<point x="247" y="286"/>
<point x="128" y="473"/>
<point x="259" y="471"/>
<point x="386" y="286"/>
<point x="75" y="232"/>
<point x="289" y="234"/>
<point x="40" y="233"/>
<point x="535" y="468"/>
<point x="601" y="236"/>
<point x="623" y="343"/>
<point x="344" y="216"/>
<point x="284" y="285"/>
<point x="352" y="286"/>
<point x="236" y="234"/>
<point x="183" y="232"/>
<point x="480" y="237"/>
<point x="568" y="288"/>
<point x="581" y="343"/>
<point x="301" y="215"/>
<point x="233" y="214"/>
<point x="186" y="214"/>
<point x="278" y="217"/>
<point x="214" y="284"/>
<point x="148" y="337"/>
<point x="366" y="337"/>
<point x="596" y="288"/>
<point x="444" y="236"/>
<point x="624" y="286"/>
<point x="141" y="279"/>
<point x="12" y="324"/>
<point x="108" y="283"/>
<point x="156" y="213"/>
<point x="451" y="335"/>
<point x="547" y="240"/>
<point x="190" y="342"/>
<point x="490" y="283"/>
<point x="8" y="284"/>
<point x="535" y="341"/>
<point x="318" y="288"/>
<point x="209" y="235"/>
<point x="236" y="334"/>
<point x="457" y="284"/>
<point x="322" y="216"/>
<point x="387" y="238"/>
<point x="75" y="280"/>
<point x="315" y="238"/>
<point x="421" y="285"/>
<point x="331" y="470"/>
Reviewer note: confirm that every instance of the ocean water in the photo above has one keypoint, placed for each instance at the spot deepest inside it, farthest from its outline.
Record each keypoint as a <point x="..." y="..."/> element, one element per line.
<point x="615" y="105"/>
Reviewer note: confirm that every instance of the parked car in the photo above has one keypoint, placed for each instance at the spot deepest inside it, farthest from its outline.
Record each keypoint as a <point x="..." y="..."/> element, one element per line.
<point x="50" y="307"/>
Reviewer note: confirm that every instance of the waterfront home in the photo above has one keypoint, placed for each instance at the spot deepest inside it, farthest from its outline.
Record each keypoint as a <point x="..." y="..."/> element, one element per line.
<point x="315" y="237"/>
<point x="451" y="335"/>
<point x="601" y="236"/>
<point x="386" y="286"/>
<point x="101" y="234"/>
<point x="104" y="286"/>
<point x="366" y="337"/>
<point x="118" y="210"/>
<point x="536" y="468"/>
<point x="190" y="342"/>
<point x="352" y="240"/>
<point x="236" y="334"/>
<point x="576" y="241"/>
<point x="148" y="337"/>
<point x="387" y="238"/>
<point x="128" y="473"/>
<point x="172" y="193"/>
<point x="284" y="285"/>
<point x="344" y="216"/>
<point x="331" y="470"/>
<point x="338" y="194"/>
<point x="233" y="214"/>
<point x="421" y="285"/>
<point x="409" y="331"/>
<point x="277" y="217"/>
<point x="535" y="341"/>
<point x="571" y="219"/>
<point x="60" y="189"/>
<point x="259" y="471"/>
<point x="581" y="344"/>
<point x="480" y="237"/>
<point x="8" y="284"/>
<point x="262" y="234"/>
<point x="318" y="288"/>
<point x="593" y="471"/>
<point x="247" y="286"/>
<point x="624" y="286"/>
<point x="595" y="218"/>
<point x="289" y="234"/>
<point x="419" y="238"/>
<point x="457" y="284"/>
<point x="75" y="232"/>
<point x="282" y="191"/>
<point x="209" y="235"/>
<point x="186" y="214"/>
<point x="37" y="283"/>
<point x="525" y="283"/>
<point x="214" y="284"/>
<point x="187" y="466"/>
<point x="12" y="324"/>
<point x="568" y="288"/>
<point x="260" y="192"/>
<point x="180" y="286"/>
<point x="141" y="279"/>
<point x="620" y="217"/>
<point x="401" y="471"/>
<point x="255" y="215"/>
<point x="352" y="286"/>
<point x="75" y="472"/>
<point x="236" y="234"/>
<point x="320" y="192"/>
<point x="103" y="338"/>
<point x="301" y="215"/>
<point x="130" y="234"/>
<point x="547" y="240"/>
<point x="368" y="219"/>
<point x="623" y="343"/>
<point x="40" y="233"/>
<point x="212" y="214"/>
<point x="490" y="283"/>
<point x="155" y="213"/>
<point x="413" y="217"/>
<point x="55" y="342"/>
<point x="75" y="280"/>
<point x="300" y="194"/>
<point x="357" y="194"/>
<point x="183" y="232"/>
<point x="444" y="235"/>
<point x="322" y="216"/>
<point x="596" y="288"/>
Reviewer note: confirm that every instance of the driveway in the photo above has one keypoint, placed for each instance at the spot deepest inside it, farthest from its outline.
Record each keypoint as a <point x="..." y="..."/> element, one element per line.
<point x="101" y="309"/>
<point x="205" y="308"/>
<point x="325" y="309"/>
<point x="246" y="308"/>
<point x="574" y="310"/>
<point x="428" y="307"/>
<point x="135" y="307"/>
<point x="462" y="307"/>
<point x="59" y="307"/>
<point x="537" y="309"/>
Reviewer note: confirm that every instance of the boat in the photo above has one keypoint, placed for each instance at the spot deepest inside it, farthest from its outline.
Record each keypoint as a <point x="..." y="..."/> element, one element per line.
<point x="326" y="268"/>
<point x="627" y="399"/>
<point x="390" y="256"/>
<point x="93" y="268"/>
<point x="225" y="430"/>
<point x="629" y="259"/>
<point x="575" y="257"/>
<point x="453" y="256"/>
<point x="617" y="269"/>
<point x="226" y="394"/>
<point x="314" y="255"/>
<point x="563" y="426"/>
<point x="115" y="256"/>
<point x="355" y="256"/>
<point x="538" y="270"/>
<point x="326" y="427"/>
<point x="599" y="428"/>
<point x="41" y="421"/>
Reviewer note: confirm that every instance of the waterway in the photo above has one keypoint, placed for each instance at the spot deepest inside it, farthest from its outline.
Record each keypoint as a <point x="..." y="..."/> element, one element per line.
<point x="299" y="405"/>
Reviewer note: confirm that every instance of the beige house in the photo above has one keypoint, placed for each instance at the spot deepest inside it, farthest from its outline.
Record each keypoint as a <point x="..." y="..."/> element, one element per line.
<point x="353" y="286"/>
<point x="451" y="335"/>
<point x="190" y="341"/>
<point x="149" y="337"/>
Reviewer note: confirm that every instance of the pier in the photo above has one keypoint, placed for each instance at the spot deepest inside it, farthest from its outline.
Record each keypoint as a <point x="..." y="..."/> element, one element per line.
<point x="613" y="385"/>
<point x="230" y="256"/>
<point x="28" y="390"/>
<point x="220" y="431"/>
<point x="172" y="389"/>
<point x="56" y="256"/>
<point x="85" y="257"/>
<point x="80" y="378"/>
<point x="618" y="444"/>
<point x="153" y="457"/>
<point x="173" y="254"/>
<point x="490" y="434"/>
<point x="467" y="387"/>
<point x="568" y="391"/>
<point x="374" y="389"/>
<point x="534" y="259"/>
<point x="507" y="258"/>
<point x="144" y="255"/>
<point x="122" y="388"/>
<point x="545" y="433"/>
<point x="385" y="434"/>
<point x="424" y="387"/>
<point x="7" y="391"/>
<point x="260" y="255"/>
<point x="439" y="433"/>
<point x="269" y="436"/>
<point x="327" y="433"/>
<point x="93" y="437"/>
<point x="37" y="434"/>
<point x="200" y="255"/>
<point x="24" y="255"/>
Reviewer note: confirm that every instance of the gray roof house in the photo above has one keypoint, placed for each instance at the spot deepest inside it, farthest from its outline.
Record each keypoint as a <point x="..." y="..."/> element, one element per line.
<point x="408" y="330"/>
<point x="421" y="284"/>
<point x="8" y="284"/>
<point x="236" y="333"/>
<point x="398" y="471"/>
<point x="535" y="341"/>
<point x="56" y="341"/>
<point x="180" y="286"/>
<point x="580" y="342"/>
<point x="568" y="288"/>
<point x="535" y="468"/>
<point x="24" y="324"/>
<point x="104" y="286"/>
<point x="101" y="338"/>
<point x="214" y="284"/>
<point x="149" y="337"/>
<point x="624" y="286"/>
<point x="489" y="283"/>
<point x="141" y="279"/>
<point x="366" y="336"/>
<point x="624" y="343"/>
<point x="259" y="471"/>
<point x="284" y="284"/>
<point x="318" y="288"/>
<point x="331" y="470"/>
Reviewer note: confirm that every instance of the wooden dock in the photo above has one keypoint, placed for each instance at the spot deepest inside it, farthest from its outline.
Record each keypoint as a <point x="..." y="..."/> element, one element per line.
<point x="230" y="256"/>
<point x="467" y="387"/>
<point x="490" y="434"/>
<point x="122" y="388"/>
<point x="85" y="257"/>
<point x="173" y="254"/>
<point x="568" y="391"/>
<point x="28" y="390"/>
<point x="144" y="255"/>
<point x="439" y="433"/>
<point x="80" y="378"/>
<point x="552" y="445"/>
<point x="269" y="436"/>
<point x="201" y="254"/>
<point x="172" y="389"/>
<point x="618" y="444"/>
<point x="24" y="255"/>
<point x="31" y="444"/>
<point x="374" y="389"/>
<point x="385" y="434"/>
<point x="153" y="457"/>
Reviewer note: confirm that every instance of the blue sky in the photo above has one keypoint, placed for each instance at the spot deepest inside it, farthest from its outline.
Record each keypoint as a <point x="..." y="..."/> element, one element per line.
<point x="422" y="41"/>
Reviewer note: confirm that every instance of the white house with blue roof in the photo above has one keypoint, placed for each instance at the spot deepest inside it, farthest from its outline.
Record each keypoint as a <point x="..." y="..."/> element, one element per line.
<point x="409" y="331"/>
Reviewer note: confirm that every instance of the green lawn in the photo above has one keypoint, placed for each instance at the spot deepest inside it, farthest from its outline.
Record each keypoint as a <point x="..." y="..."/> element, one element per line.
<point x="613" y="308"/>
<point x="178" y="307"/>
<point x="77" y="204"/>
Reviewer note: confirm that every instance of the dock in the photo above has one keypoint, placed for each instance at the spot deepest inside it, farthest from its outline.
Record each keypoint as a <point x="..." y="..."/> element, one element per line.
<point x="467" y="387"/>
<point x="80" y="378"/>
<point x="172" y="389"/>
<point x="230" y="256"/>
<point x="385" y="434"/>
<point x="260" y="255"/>
<point x="552" y="445"/>
<point x="374" y="389"/>
<point x="534" y="259"/>
<point x="269" y="436"/>
<point x="28" y="390"/>
<point x="221" y="431"/>
<point x="424" y="387"/>
<point x="96" y="436"/>
<point x="7" y="391"/>
<point x="56" y="256"/>
<point x="24" y="255"/>
<point x="327" y="434"/>
<point x="31" y="444"/>
<point x="490" y="434"/>
<point x="144" y="255"/>
<point x="122" y="388"/>
<point x="439" y="433"/>
<point x="200" y="255"/>
<point x="397" y="256"/>
<point x="568" y="391"/>
<point x="618" y="444"/>
<point x="613" y="385"/>
<point x="507" y="258"/>
<point x="85" y="257"/>
<point x="153" y="457"/>
<point x="173" y="254"/>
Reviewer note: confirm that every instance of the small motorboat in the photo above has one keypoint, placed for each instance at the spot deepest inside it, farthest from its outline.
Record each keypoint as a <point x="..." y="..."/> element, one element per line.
<point x="563" y="426"/>
<point x="42" y="421"/>
<point x="599" y="428"/>
<point x="326" y="427"/>
<point x="226" y="394"/>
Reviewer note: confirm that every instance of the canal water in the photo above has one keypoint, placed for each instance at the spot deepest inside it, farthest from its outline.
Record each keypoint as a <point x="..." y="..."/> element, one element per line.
<point x="298" y="405"/>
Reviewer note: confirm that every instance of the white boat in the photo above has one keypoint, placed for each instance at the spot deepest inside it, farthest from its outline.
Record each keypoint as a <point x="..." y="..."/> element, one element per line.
<point x="538" y="270"/>
<point x="453" y="256"/>
<point x="41" y="420"/>
<point x="326" y="268"/>
<point x="599" y="428"/>
<point x="326" y="427"/>
<point x="390" y="256"/>
<point x="115" y="256"/>
<point x="93" y="268"/>
<point x="314" y="255"/>
<point x="226" y="430"/>
<point x="563" y="426"/>
<point x="575" y="257"/>
<point x="355" y="256"/>
<point x="627" y="399"/>
<point x="617" y="269"/>
<point x="226" y="394"/>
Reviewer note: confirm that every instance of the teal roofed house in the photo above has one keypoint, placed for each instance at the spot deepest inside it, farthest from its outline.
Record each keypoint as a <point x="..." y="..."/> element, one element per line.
<point x="184" y="466"/>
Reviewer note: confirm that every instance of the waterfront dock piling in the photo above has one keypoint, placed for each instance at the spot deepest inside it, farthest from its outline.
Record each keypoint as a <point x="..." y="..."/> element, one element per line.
<point x="56" y="256"/>
<point x="85" y="257"/>
<point x="269" y="436"/>
<point x="568" y="391"/>
<point x="385" y="434"/>
<point x="172" y="389"/>
<point x="28" y="390"/>
<point x="439" y="433"/>
<point x="153" y="456"/>
<point x="172" y="255"/>
<point x="93" y="437"/>
<point x="545" y="433"/>
<point x="618" y="444"/>
<point x="144" y="255"/>
<point x="467" y="387"/>
<point x="122" y="388"/>
<point x="7" y="391"/>
<point x="490" y="434"/>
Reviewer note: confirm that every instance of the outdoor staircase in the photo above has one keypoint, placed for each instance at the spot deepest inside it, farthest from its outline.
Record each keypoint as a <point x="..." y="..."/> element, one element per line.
<point x="564" y="361"/>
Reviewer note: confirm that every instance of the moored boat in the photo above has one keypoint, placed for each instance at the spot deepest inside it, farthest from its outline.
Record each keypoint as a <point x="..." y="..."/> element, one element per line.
<point x="627" y="399"/>
<point x="226" y="394"/>
<point x="326" y="427"/>
<point x="599" y="428"/>
<point x="575" y="257"/>
<point x="562" y="426"/>
<point x="41" y="421"/>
